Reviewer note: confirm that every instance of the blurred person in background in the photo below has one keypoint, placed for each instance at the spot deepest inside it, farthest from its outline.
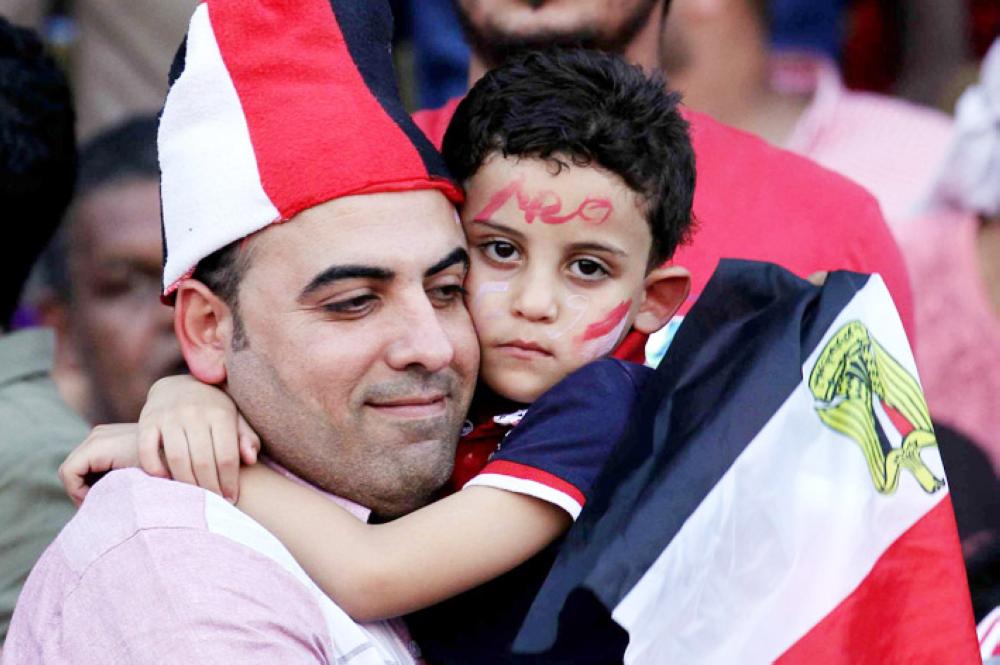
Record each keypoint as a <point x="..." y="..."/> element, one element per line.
<point x="25" y="12"/>
<point x="751" y="200"/>
<point x="102" y="275"/>
<point x="954" y="258"/>
<point x="122" y="51"/>
<point x="117" y="50"/>
<point x="441" y="57"/>
<point x="37" y="429"/>
<point x="717" y="53"/>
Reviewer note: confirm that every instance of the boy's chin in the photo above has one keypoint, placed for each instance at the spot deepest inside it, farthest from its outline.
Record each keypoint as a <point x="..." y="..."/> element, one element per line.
<point x="519" y="385"/>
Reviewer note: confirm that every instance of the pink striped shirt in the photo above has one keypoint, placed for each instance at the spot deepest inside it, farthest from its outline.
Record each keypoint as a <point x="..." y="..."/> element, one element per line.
<point x="154" y="571"/>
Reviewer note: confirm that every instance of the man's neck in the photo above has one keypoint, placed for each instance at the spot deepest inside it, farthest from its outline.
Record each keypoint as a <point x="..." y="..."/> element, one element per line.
<point x="359" y="511"/>
<point x="728" y="78"/>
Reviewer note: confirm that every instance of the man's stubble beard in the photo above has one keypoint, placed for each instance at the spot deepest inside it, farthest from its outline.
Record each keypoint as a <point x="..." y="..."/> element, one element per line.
<point x="494" y="46"/>
<point x="386" y="476"/>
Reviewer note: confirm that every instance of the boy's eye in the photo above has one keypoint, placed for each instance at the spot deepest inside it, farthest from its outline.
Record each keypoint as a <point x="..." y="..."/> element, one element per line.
<point x="587" y="269"/>
<point x="500" y="251"/>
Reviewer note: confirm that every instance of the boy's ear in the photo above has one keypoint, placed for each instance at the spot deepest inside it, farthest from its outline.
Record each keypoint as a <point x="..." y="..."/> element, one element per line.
<point x="666" y="288"/>
<point x="203" y="324"/>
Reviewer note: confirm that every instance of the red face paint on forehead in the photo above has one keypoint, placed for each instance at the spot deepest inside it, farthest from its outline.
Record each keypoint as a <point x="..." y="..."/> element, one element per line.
<point x="546" y="206"/>
<point x="608" y="323"/>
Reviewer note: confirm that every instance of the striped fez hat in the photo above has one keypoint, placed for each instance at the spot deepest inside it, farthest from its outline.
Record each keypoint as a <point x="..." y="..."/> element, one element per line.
<point x="276" y="106"/>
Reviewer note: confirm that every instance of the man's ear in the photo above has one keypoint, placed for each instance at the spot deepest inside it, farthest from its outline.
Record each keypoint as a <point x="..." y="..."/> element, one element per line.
<point x="203" y="324"/>
<point x="666" y="288"/>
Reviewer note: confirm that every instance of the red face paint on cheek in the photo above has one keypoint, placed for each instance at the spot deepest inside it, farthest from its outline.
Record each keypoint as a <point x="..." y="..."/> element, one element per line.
<point x="608" y="323"/>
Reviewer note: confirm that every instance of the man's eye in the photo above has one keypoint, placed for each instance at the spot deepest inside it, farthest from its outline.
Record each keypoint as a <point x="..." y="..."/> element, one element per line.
<point x="588" y="269"/>
<point x="448" y="293"/>
<point x="500" y="251"/>
<point x="356" y="305"/>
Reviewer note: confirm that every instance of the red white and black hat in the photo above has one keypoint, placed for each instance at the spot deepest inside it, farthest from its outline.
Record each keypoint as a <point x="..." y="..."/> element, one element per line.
<point x="276" y="106"/>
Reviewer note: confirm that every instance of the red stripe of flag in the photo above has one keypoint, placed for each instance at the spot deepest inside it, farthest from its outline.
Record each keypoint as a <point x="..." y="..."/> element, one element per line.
<point x="299" y="88"/>
<point x="525" y="472"/>
<point x="913" y="607"/>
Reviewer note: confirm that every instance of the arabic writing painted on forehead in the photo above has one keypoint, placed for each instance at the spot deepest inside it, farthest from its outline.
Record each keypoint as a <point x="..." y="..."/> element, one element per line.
<point x="546" y="206"/>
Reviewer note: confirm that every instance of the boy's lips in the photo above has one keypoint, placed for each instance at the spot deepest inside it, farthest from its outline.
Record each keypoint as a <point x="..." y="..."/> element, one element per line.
<point x="523" y="349"/>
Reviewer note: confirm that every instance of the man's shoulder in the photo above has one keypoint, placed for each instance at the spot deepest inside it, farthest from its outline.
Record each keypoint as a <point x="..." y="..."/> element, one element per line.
<point x="163" y="565"/>
<point x="168" y="568"/>
<point x="123" y="504"/>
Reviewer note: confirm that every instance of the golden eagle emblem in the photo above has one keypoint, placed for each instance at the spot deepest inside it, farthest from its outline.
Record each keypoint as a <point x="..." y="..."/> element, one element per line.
<point x="852" y="371"/>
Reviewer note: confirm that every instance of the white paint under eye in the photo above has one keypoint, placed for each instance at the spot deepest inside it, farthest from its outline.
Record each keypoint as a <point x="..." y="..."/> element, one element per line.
<point x="487" y="289"/>
<point x="577" y="303"/>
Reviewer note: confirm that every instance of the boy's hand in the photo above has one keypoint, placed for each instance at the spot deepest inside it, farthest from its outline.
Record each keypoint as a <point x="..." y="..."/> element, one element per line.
<point x="202" y="436"/>
<point x="107" y="447"/>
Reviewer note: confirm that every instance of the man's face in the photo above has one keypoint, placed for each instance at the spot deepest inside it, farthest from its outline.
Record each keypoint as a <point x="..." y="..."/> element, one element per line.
<point x="122" y="333"/>
<point x="497" y="28"/>
<point x="361" y="357"/>
<point x="558" y="267"/>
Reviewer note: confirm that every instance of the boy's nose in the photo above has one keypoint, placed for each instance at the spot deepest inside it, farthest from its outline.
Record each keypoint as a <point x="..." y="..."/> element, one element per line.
<point x="535" y="301"/>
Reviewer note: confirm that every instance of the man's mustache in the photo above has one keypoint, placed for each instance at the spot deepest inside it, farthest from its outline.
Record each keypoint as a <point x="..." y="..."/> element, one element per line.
<point x="415" y="383"/>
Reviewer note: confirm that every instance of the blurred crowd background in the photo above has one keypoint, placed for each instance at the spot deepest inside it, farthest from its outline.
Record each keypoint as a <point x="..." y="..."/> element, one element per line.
<point x="898" y="95"/>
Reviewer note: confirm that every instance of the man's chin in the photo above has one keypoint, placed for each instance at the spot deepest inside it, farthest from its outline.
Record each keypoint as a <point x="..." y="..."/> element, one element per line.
<point x="422" y="470"/>
<point x="497" y="38"/>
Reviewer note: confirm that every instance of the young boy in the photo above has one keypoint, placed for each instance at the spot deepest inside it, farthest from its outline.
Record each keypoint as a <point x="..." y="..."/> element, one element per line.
<point x="579" y="177"/>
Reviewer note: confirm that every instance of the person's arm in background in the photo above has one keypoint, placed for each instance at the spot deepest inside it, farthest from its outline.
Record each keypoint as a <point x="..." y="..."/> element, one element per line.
<point x="37" y="430"/>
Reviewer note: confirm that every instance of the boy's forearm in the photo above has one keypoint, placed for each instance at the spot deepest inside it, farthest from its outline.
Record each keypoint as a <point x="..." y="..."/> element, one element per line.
<point x="380" y="571"/>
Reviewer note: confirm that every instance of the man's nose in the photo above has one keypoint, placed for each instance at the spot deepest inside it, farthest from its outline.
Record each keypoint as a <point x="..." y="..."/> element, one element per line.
<point x="421" y="339"/>
<point x="534" y="299"/>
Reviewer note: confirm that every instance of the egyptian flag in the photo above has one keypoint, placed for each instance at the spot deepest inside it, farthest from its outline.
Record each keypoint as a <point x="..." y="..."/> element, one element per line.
<point x="780" y="497"/>
<point x="276" y="106"/>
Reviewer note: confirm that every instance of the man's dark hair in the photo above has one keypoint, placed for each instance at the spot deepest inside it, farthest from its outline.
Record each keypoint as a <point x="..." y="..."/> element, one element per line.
<point x="37" y="155"/>
<point x="122" y="152"/>
<point x="590" y="108"/>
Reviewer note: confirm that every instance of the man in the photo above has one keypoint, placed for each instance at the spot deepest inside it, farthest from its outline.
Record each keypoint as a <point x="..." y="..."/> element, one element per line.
<point x="752" y="201"/>
<point x="37" y="430"/>
<point x="343" y="353"/>
<point x="104" y="273"/>
<point x="718" y="56"/>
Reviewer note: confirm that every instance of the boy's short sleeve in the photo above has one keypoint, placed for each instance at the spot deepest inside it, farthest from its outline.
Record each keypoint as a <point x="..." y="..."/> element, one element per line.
<point x="557" y="450"/>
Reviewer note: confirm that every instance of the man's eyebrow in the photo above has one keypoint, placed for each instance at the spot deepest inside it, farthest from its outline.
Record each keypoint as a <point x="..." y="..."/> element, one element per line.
<point x="339" y="273"/>
<point x="457" y="255"/>
<point x="597" y="247"/>
<point x="501" y="228"/>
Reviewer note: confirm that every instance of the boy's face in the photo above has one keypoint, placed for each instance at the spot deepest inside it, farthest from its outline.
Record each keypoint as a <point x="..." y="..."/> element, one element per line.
<point x="558" y="263"/>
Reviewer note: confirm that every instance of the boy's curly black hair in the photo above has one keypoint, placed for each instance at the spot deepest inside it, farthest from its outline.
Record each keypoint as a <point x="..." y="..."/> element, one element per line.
<point x="586" y="107"/>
